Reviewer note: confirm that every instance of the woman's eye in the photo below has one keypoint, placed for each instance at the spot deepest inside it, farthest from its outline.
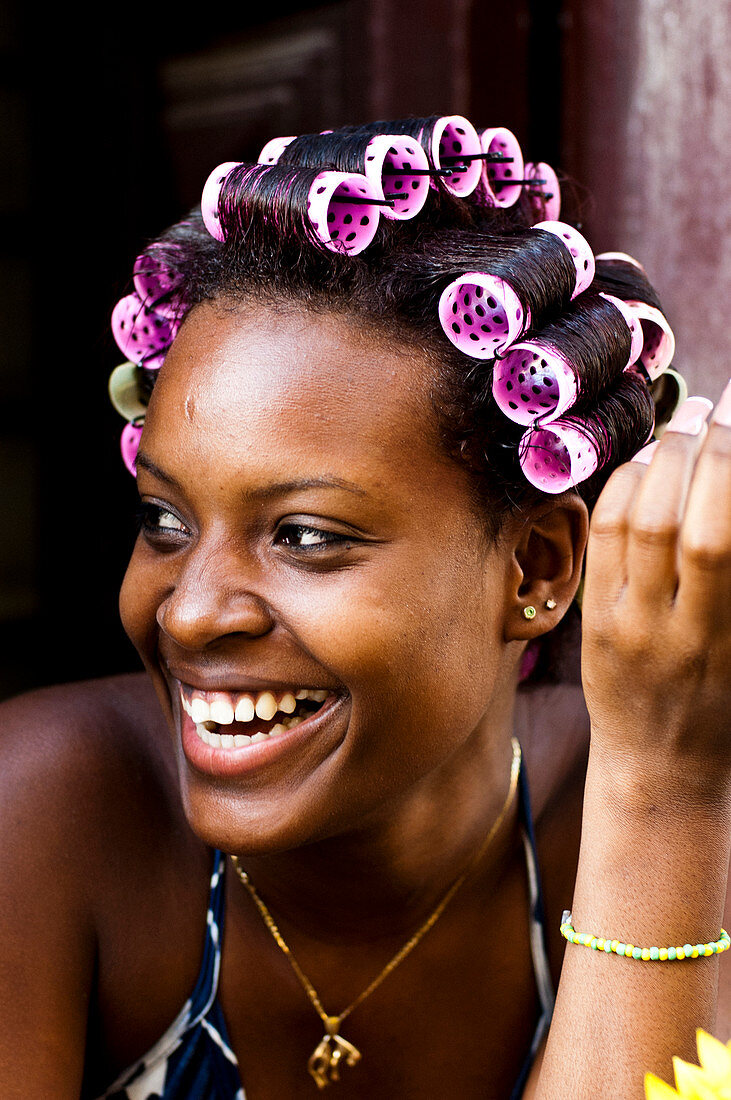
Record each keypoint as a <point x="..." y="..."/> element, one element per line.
<point x="153" y="518"/>
<point x="300" y="537"/>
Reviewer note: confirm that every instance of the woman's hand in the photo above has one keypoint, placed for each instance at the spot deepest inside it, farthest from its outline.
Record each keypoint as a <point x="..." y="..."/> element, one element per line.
<point x="653" y="864"/>
<point x="657" y="608"/>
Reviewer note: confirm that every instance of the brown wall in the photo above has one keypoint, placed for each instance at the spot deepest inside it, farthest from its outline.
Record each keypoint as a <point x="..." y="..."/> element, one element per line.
<point x="647" y="127"/>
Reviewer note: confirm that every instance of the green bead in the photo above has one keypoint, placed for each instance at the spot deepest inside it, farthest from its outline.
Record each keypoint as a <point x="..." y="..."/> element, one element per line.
<point x="594" y="944"/>
<point x="672" y="953"/>
<point x="687" y="947"/>
<point x="621" y="948"/>
<point x="654" y="953"/>
<point x="608" y="946"/>
<point x="637" y="953"/>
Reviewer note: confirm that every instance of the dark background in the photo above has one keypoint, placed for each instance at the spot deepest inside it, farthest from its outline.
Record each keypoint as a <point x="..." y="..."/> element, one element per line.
<point x="111" y="124"/>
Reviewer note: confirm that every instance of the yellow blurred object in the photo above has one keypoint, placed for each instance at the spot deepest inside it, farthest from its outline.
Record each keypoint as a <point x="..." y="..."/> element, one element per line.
<point x="709" y="1081"/>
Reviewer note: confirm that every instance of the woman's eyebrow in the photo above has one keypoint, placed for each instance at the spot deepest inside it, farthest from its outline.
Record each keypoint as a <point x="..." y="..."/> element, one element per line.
<point x="145" y="462"/>
<point x="264" y="492"/>
<point x="282" y="488"/>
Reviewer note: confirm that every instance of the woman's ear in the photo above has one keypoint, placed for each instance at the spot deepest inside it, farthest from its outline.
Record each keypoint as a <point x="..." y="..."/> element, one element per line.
<point x="545" y="570"/>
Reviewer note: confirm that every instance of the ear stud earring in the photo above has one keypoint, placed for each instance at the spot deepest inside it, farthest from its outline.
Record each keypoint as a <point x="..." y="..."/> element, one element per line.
<point x="529" y="612"/>
<point x="550" y="604"/>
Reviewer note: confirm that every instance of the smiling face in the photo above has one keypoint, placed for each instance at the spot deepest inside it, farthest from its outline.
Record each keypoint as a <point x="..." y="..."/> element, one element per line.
<point x="305" y="533"/>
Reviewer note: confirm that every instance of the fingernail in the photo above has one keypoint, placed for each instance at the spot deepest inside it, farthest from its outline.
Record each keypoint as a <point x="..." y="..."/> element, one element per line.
<point x="722" y="415"/>
<point x="691" y="416"/>
<point x="646" y="453"/>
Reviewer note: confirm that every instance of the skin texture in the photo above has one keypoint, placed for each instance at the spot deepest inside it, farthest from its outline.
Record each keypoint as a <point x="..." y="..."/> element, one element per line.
<point x="415" y="622"/>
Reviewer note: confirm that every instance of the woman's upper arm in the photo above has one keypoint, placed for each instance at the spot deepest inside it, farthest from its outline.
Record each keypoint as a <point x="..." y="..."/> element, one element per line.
<point x="46" y="929"/>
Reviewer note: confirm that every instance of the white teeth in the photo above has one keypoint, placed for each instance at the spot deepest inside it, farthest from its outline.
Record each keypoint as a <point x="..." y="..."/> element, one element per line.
<point x="290" y="723"/>
<point x="287" y="703"/>
<point x="266" y="706"/>
<point x="199" y="711"/>
<point x="259" y="737"/>
<point x="227" y="740"/>
<point x="316" y="695"/>
<point x="245" y="709"/>
<point x="222" y="711"/>
<point x="185" y="704"/>
<point x="214" y="740"/>
<point x="279" y="728"/>
<point x="241" y="739"/>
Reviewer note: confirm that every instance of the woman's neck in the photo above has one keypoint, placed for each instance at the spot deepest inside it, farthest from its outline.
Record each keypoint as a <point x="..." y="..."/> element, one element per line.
<point x="387" y="876"/>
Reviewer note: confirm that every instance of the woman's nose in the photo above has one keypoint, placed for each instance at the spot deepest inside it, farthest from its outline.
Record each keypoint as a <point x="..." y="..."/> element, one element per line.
<point x="211" y="599"/>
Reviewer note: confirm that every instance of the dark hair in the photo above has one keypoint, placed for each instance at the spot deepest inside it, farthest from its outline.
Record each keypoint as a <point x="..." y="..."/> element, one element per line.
<point x="270" y="254"/>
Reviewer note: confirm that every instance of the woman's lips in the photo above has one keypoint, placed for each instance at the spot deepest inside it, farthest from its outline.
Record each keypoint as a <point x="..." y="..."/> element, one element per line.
<point x="231" y="758"/>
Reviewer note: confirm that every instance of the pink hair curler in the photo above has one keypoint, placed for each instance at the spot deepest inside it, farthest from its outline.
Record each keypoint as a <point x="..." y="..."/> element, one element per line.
<point x="481" y="314"/>
<point x="141" y="333"/>
<point x="129" y="445"/>
<point x="342" y="225"/>
<point x="545" y="198"/>
<point x="580" y="250"/>
<point x="211" y="195"/>
<point x="533" y="382"/>
<point x="153" y="278"/>
<point x="273" y="150"/>
<point x="556" y="457"/>
<point x="633" y="324"/>
<point x="388" y="160"/>
<point x="658" y="339"/>
<point x="497" y="175"/>
<point x="455" y="144"/>
<point x="622" y="257"/>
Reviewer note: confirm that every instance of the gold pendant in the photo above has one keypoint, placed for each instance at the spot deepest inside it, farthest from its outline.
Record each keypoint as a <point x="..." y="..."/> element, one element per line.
<point x="325" y="1060"/>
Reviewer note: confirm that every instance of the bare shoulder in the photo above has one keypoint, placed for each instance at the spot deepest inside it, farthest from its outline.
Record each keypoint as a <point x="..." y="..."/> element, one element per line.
<point x="82" y="750"/>
<point x="96" y="862"/>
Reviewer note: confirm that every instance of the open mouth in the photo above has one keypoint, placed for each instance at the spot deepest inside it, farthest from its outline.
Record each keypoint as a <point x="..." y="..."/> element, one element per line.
<point x="233" y="720"/>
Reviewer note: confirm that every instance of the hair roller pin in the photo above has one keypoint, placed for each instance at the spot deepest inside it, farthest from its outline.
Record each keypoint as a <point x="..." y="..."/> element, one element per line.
<point x="141" y="333"/>
<point x="398" y="166"/>
<point x="543" y="190"/>
<point x="481" y="314"/>
<point x="344" y="209"/>
<point x="273" y="150"/>
<point x="211" y="195"/>
<point x="533" y="382"/>
<point x="455" y="144"/>
<point x="129" y="445"/>
<point x="658" y="339"/>
<point x="580" y="250"/>
<point x="556" y="457"/>
<point x="633" y="324"/>
<point x="502" y="174"/>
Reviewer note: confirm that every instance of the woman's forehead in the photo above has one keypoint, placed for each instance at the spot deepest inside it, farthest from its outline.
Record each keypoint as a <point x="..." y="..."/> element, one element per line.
<point x="294" y="388"/>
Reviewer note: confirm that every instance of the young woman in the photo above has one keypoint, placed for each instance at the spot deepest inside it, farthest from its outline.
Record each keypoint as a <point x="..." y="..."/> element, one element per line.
<point x="301" y="851"/>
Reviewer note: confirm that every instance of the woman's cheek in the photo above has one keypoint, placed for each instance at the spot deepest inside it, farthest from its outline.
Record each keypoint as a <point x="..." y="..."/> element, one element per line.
<point x="139" y="599"/>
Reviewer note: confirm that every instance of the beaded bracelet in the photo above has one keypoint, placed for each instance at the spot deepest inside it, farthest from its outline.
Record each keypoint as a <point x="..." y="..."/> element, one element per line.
<point x="645" y="954"/>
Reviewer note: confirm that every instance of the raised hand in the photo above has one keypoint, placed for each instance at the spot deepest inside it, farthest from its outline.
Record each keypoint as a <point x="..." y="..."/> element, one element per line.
<point x="657" y="606"/>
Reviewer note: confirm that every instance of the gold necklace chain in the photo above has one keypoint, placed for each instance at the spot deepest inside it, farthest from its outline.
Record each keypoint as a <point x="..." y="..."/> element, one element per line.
<point x="324" y="1062"/>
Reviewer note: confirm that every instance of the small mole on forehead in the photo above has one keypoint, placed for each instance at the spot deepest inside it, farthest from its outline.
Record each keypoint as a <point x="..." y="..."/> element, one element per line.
<point x="189" y="407"/>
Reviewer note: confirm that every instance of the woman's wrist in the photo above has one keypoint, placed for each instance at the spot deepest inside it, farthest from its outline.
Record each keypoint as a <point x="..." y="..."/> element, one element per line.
<point x="654" y="854"/>
<point x="648" y="782"/>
